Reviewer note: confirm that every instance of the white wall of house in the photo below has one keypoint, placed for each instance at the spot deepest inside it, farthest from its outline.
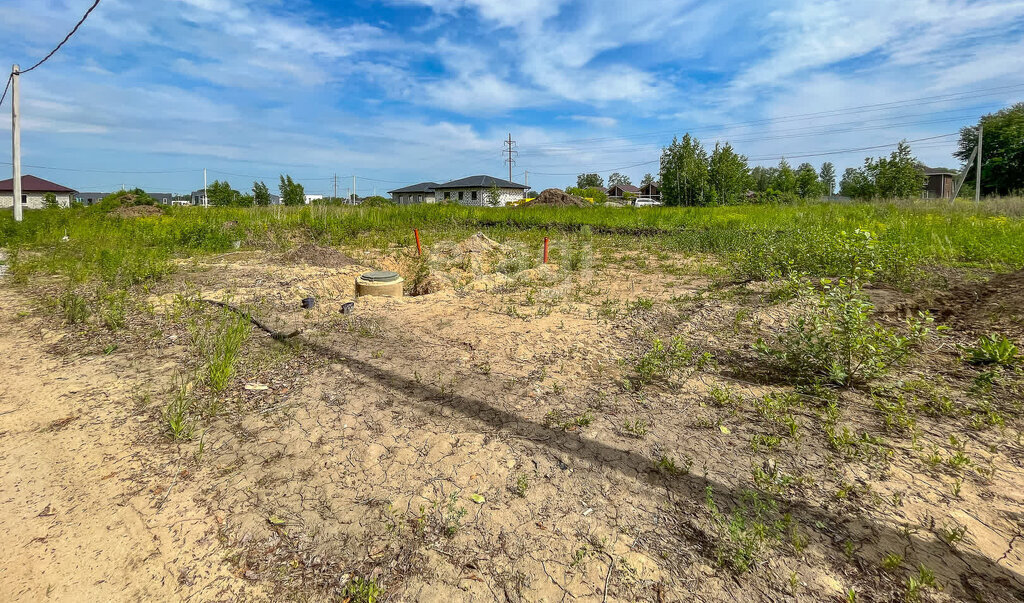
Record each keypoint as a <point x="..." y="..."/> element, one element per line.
<point x="412" y="198"/>
<point x="311" y="198"/>
<point x="35" y="200"/>
<point x="478" y="196"/>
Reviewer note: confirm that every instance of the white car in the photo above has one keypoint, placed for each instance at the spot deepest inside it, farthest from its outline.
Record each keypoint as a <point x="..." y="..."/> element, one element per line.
<point x="646" y="202"/>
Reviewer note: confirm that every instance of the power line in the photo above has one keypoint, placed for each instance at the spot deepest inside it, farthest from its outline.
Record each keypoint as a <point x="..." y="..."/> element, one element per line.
<point x="66" y="38"/>
<point x="829" y="113"/>
<point x="793" y="156"/>
<point x="4" y="95"/>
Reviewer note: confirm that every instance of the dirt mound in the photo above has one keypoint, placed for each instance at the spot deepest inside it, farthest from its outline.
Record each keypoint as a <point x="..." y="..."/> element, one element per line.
<point x="316" y="255"/>
<point x="136" y="211"/>
<point x="997" y="303"/>
<point x="556" y="198"/>
<point x="478" y="243"/>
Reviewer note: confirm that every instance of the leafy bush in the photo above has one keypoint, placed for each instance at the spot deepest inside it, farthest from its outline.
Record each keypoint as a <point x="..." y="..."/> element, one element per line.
<point x="131" y="198"/>
<point x="839" y="341"/>
<point x="661" y="359"/>
<point x="993" y="349"/>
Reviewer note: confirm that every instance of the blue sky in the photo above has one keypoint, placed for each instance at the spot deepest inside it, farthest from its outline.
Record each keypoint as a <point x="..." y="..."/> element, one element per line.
<point x="149" y="92"/>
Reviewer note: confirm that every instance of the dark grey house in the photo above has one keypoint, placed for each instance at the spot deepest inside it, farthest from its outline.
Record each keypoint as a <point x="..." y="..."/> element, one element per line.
<point x="416" y="193"/>
<point x="89" y="198"/>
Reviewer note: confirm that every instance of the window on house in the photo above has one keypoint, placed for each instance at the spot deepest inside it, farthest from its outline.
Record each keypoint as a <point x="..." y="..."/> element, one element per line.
<point x="420" y="199"/>
<point x="472" y="195"/>
<point x="461" y="195"/>
<point x="447" y="195"/>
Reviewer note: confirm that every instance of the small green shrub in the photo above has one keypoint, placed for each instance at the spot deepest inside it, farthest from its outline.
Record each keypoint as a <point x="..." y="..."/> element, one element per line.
<point x="993" y="349"/>
<point x="361" y="590"/>
<point x="74" y="307"/>
<point x="112" y="309"/>
<point x="661" y="359"/>
<point x="839" y="341"/>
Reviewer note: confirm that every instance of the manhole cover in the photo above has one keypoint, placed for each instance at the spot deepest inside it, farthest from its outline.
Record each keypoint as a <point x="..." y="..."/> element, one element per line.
<point x="380" y="276"/>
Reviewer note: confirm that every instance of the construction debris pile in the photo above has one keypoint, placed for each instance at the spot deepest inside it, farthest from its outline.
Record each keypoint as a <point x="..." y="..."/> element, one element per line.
<point x="553" y="197"/>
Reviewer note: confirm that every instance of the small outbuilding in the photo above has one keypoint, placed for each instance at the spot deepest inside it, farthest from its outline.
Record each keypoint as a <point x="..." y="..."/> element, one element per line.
<point x="938" y="183"/>
<point x="33" y="192"/>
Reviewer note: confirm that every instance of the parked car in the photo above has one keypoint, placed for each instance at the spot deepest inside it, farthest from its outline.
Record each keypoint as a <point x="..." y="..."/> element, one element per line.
<point x="646" y="202"/>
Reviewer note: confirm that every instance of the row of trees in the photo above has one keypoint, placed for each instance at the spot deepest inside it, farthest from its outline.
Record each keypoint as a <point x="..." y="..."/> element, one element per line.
<point x="220" y="193"/>
<point x="899" y="176"/>
<point x="615" y="179"/>
<point x="692" y="176"/>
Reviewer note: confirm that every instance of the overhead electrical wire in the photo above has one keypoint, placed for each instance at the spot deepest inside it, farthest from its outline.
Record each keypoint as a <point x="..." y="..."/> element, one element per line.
<point x="829" y="113"/>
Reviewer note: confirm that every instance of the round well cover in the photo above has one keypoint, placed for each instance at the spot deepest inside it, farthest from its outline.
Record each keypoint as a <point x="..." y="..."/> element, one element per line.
<point x="380" y="276"/>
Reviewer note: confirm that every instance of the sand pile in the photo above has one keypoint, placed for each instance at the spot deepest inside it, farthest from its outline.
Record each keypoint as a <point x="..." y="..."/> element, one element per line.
<point x="478" y="243"/>
<point x="553" y="197"/>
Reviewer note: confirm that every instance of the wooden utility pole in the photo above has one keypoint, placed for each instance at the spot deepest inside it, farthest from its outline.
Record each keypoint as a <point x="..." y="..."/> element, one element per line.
<point x="354" y="194"/>
<point x="335" y="186"/>
<point x="977" y="171"/>
<point x="16" y="142"/>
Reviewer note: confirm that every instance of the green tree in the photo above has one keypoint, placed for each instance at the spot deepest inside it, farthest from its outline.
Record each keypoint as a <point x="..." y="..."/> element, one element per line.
<point x="617" y="179"/>
<point x="784" y="178"/>
<point x="857" y="184"/>
<point x="260" y="193"/>
<point x="807" y="185"/>
<point x="50" y="201"/>
<point x="900" y="176"/>
<point x="221" y="193"/>
<point x="493" y="196"/>
<point x="761" y="178"/>
<point x="292" y="192"/>
<point x="728" y="174"/>
<point x="684" y="173"/>
<point x="827" y="175"/>
<point x="647" y="180"/>
<point x="589" y="180"/>
<point x="1002" y="157"/>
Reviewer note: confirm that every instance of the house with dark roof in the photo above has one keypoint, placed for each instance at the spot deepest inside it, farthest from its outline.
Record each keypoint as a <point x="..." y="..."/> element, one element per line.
<point x="938" y="183"/>
<point x="422" y="192"/>
<point x="618" y="191"/>
<point x="651" y="191"/>
<point x="34" y="191"/>
<point x="476" y="190"/>
<point x="89" y="198"/>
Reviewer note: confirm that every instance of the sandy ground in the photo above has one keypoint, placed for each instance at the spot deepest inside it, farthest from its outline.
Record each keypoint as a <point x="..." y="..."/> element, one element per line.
<point x="441" y="446"/>
<point x="91" y="511"/>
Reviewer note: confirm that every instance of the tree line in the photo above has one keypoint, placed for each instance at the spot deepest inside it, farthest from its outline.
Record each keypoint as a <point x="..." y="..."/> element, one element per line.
<point x="220" y="193"/>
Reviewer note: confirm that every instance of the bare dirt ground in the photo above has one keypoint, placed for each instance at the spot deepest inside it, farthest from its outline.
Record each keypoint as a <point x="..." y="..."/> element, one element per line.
<point x="483" y="442"/>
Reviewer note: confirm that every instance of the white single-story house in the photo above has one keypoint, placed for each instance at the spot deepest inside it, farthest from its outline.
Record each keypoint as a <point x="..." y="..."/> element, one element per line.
<point x="33" y="192"/>
<point x="416" y="193"/>
<point x="475" y="190"/>
<point x="312" y="198"/>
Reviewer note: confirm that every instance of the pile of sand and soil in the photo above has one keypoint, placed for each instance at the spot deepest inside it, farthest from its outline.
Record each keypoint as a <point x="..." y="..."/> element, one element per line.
<point x="317" y="255"/>
<point x="136" y="211"/>
<point x="996" y="303"/>
<point x="553" y="197"/>
<point x="478" y="243"/>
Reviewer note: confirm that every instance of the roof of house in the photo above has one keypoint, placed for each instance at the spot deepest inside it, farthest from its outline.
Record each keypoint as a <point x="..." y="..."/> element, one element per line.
<point x="92" y="195"/>
<point x="938" y="171"/>
<point x="480" y="182"/>
<point x="32" y="184"/>
<point x="626" y="188"/>
<point x="422" y="187"/>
